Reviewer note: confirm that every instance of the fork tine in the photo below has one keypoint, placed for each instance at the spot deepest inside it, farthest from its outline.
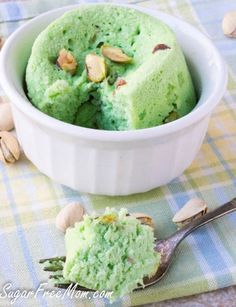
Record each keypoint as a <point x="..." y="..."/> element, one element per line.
<point x="53" y="268"/>
<point x="56" y="276"/>
<point x="63" y="258"/>
<point x="55" y="265"/>
<point x="64" y="285"/>
<point x="67" y="284"/>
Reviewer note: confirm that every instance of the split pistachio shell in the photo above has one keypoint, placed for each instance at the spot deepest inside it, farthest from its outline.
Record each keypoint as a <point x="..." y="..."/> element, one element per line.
<point x="6" y="120"/>
<point x="193" y="209"/>
<point x="115" y="54"/>
<point x="9" y="148"/>
<point x="96" y="67"/>
<point x="144" y="218"/>
<point x="229" y="24"/>
<point x="69" y="215"/>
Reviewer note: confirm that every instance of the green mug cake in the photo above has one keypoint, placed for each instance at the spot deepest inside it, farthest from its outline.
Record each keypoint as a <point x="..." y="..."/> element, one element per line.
<point x="112" y="252"/>
<point x="110" y="68"/>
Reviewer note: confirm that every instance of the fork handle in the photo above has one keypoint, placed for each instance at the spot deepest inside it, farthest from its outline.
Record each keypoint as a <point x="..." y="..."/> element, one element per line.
<point x="177" y="237"/>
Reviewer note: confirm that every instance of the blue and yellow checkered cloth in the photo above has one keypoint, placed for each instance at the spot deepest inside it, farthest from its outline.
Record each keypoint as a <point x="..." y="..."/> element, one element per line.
<point x="29" y="201"/>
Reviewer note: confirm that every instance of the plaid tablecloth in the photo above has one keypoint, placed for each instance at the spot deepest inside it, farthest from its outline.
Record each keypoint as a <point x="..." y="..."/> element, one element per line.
<point x="29" y="201"/>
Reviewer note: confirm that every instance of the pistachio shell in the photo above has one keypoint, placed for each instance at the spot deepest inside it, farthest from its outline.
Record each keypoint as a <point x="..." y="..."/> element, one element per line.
<point x="229" y="24"/>
<point x="8" y="156"/>
<point x="192" y="209"/>
<point x="9" y="147"/>
<point x="69" y="215"/>
<point x="2" y="158"/>
<point x="115" y="54"/>
<point x="144" y="218"/>
<point x="96" y="67"/>
<point x="6" y="120"/>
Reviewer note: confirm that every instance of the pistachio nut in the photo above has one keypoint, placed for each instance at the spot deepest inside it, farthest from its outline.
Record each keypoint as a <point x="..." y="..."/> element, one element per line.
<point x="107" y="218"/>
<point x="96" y="67"/>
<point x="115" y="54"/>
<point x="160" y="47"/>
<point x="120" y="82"/>
<point x="66" y="61"/>
<point x="171" y="117"/>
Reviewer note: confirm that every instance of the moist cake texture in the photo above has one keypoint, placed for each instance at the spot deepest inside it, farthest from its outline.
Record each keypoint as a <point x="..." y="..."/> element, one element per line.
<point x="152" y="88"/>
<point x="113" y="252"/>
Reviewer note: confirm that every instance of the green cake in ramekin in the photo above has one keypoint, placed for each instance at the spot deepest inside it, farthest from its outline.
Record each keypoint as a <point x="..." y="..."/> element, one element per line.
<point x="152" y="88"/>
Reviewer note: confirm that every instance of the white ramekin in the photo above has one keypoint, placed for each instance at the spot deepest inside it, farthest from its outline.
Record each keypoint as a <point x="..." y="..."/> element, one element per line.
<point x="111" y="162"/>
